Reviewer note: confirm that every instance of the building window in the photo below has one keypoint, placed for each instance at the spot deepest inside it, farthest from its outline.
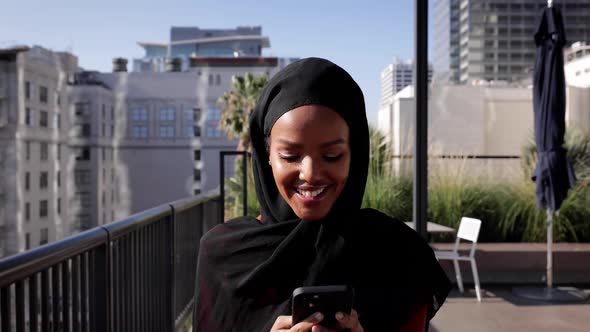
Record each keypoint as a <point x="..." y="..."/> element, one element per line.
<point x="112" y="130"/>
<point x="43" y="94"/>
<point x="27" y="211"/>
<point x="84" y="130"/>
<point x="212" y="132"/>
<point x="196" y="114"/>
<point x="197" y="174"/>
<point x="29" y="117"/>
<point x="58" y="178"/>
<point x="82" y="221"/>
<point x="214" y="114"/>
<point x="57" y="121"/>
<point x="197" y="155"/>
<point x="82" y="199"/>
<point x="28" y="150"/>
<point x="218" y="79"/>
<point x="210" y="79"/>
<point x="58" y="207"/>
<point x="27" y="181"/>
<point x="192" y="131"/>
<point x="27" y="241"/>
<point x="43" y="119"/>
<point x="166" y="131"/>
<point x="82" y="154"/>
<point x="104" y="198"/>
<point x="197" y="192"/>
<point x="167" y="114"/>
<point x="112" y="175"/>
<point x="43" y="208"/>
<point x="43" y="180"/>
<point x="44" y="237"/>
<point x="44" y="151"/>
<point x="188" y="116"/>
<point x="113" y="195"/>
<point x="82" y="109"/>
<point x="28" y="90"/>
<point x="81" y="177"/>
<point x="139" y="114"/>
<point x="139" y="131"/>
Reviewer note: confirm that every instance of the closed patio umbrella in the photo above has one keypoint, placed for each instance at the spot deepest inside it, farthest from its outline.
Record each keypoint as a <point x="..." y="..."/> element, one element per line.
<point x="554" y="174"/>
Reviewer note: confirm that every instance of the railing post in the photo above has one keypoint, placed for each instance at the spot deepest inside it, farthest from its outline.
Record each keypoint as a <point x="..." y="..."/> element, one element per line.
<point x="101" y="277"/>
<point x="222" y="186"/>
<point x="245" y="182"/>
<point x="172" y="267"/>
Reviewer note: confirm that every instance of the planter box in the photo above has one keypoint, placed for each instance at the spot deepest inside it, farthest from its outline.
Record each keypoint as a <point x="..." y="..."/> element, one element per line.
<point x="523" y="263"/>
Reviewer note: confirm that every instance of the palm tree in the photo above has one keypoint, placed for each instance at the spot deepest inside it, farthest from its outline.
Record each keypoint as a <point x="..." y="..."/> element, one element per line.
<point x="237" y="106"/>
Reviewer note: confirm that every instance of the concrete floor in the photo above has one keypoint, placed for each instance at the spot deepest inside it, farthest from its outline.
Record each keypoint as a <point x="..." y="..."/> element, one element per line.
<point x="500" y="310"/>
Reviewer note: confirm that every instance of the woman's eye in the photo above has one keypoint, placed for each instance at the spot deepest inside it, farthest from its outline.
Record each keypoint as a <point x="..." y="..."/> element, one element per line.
<point x="289" y="158"/>
<point x="330" y="157"/>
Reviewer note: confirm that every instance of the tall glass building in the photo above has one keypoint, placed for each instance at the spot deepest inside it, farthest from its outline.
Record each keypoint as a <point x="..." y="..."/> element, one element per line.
<point x="493" y="40"/>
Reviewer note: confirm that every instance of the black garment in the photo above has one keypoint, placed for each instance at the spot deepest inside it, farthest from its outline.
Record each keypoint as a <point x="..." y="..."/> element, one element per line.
<point x="248" y="269"/>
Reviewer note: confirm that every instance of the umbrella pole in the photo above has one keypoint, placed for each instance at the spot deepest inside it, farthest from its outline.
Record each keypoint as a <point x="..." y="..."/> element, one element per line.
<point x="549" y="249"/>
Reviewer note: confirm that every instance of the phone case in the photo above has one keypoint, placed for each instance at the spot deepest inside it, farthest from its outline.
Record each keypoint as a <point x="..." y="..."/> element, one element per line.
<point x="325" y="299"/>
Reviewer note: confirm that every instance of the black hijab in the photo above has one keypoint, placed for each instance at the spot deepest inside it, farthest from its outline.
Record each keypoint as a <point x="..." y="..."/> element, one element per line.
<point x="248" y="269"/>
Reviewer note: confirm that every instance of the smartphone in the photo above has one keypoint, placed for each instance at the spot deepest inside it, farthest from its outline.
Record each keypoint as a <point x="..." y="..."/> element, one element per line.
<point x="325" y="299"/>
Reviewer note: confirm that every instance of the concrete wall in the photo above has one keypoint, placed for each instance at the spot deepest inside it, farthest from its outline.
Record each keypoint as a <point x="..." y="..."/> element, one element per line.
<point x="464" y="120"/>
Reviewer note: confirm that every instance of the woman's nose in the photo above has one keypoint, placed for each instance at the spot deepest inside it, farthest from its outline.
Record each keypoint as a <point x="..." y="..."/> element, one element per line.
<point x="310" y="170"/>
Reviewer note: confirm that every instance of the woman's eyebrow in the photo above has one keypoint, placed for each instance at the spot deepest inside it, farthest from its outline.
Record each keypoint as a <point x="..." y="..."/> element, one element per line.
<point x="323" y="145"/>
<point x="333" y="142"/>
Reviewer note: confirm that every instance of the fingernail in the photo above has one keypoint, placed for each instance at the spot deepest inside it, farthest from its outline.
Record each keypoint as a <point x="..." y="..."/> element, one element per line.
<point x="339" y="315"/>
<point x="318" y="315"/>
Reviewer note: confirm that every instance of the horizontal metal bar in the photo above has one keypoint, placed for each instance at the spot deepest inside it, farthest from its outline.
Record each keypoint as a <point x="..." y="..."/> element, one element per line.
<point x="17" y="267"/>
<point x="136" y="221"/>
<point x="190" y="202"/>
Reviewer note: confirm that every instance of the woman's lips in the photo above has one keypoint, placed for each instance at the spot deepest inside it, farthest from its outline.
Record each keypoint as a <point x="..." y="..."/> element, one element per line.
<point x="311" y="195"/>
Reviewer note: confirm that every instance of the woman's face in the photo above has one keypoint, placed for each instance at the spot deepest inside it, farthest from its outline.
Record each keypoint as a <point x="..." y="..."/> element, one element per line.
<point x="310" y="158"/>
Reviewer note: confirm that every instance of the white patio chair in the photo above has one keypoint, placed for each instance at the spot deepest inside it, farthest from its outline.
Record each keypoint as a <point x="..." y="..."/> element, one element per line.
<point x="468" y="230"/>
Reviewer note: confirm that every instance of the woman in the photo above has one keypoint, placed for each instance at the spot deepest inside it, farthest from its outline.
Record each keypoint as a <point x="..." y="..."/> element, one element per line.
<point x="310" y="143"/>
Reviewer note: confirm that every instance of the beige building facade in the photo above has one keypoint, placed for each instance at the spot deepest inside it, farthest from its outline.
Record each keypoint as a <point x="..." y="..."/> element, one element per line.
<point x="487" y="124"/>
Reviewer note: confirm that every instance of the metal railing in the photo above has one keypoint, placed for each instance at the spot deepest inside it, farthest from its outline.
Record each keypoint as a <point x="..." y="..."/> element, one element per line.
<point x="137" y="274"/>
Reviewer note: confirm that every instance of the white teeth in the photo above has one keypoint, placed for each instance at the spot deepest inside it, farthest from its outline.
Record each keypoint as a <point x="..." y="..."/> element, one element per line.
<point x="307" y="193"/>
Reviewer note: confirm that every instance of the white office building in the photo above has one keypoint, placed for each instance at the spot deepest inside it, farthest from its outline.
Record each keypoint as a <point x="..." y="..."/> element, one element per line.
<point x="34" y="153"/>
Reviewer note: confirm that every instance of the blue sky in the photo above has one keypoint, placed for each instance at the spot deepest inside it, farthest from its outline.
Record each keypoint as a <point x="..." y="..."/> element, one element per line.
<point x="361" y="36"/>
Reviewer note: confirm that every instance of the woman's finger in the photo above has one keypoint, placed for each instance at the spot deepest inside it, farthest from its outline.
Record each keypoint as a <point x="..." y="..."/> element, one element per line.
<point x="306" y="324"/>
<point x="350" y="321"/>
<point x="282" y="323"/>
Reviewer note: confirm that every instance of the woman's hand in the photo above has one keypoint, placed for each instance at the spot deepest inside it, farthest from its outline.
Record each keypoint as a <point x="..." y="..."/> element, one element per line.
<point x="283" y="323"/>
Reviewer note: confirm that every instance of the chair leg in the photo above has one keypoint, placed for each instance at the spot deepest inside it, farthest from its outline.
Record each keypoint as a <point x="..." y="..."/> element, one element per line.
<point x="476" y="279"/>
<point x="458" y="275"/>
